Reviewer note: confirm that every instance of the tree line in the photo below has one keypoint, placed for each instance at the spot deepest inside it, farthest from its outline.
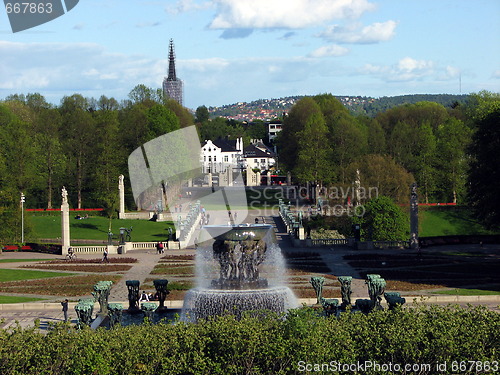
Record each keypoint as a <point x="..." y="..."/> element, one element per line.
<point x="445" y="150"/>
<point x="84" y="143"/>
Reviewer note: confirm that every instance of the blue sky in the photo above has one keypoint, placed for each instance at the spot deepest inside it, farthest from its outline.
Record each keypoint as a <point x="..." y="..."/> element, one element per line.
<point x="242" y="50"/>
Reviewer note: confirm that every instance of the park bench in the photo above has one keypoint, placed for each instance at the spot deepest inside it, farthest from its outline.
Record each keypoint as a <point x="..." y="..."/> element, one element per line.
<point x="10" y="248"/>
<point x="16" y="248"/>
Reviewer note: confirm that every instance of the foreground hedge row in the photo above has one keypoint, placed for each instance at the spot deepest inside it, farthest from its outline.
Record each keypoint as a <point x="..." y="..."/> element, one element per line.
<point x="301" y="343"/>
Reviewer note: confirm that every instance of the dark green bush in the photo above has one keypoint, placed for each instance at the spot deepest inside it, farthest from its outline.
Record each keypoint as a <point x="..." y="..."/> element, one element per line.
<point x="264" y="344"/>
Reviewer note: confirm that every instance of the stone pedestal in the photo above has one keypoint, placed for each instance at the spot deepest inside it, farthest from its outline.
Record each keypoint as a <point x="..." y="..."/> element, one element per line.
<point x="65" y="234"/>
<point x="302" y="233"/>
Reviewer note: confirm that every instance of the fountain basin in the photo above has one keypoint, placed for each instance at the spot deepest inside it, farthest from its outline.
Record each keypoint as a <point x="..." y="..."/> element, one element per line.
<point x="201" y="303"/>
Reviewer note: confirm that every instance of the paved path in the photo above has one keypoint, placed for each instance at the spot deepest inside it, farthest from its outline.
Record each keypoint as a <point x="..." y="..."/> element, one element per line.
<point x="51" y="313"/>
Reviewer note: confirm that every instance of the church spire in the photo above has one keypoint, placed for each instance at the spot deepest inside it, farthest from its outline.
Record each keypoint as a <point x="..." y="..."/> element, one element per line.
<point x="171" y="62"/>
<point x="172" y="86"/>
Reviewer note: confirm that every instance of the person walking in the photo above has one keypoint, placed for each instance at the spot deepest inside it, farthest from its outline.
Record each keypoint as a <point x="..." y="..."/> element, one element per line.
<point x="105" y="255"/>
<point x="64" y="305"/>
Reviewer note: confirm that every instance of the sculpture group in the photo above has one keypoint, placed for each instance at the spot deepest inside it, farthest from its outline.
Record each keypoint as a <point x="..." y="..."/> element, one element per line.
<point x="376" y="289"/>
<point x="239" y="261"/>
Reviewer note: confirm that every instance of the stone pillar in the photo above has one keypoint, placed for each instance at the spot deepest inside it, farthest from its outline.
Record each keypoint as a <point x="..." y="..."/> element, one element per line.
<point x="65" y="234"/>
<point x="210" y="179"/>
<point x="230" y="175"/>
<point x="268" y="178"/>
<point x="414" y="217"/>
<point x="121" y="190"/>
<point x="288" y="178"/>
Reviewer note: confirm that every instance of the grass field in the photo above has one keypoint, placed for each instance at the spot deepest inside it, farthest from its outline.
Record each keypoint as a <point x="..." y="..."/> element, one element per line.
<point x="468" y="292"/>
<point x="434" y="221"/>
<point x="96" y="228"/>
<point x="16" y="275"/>
<point x="16" y="299"/>
<point x="448" y="221"/>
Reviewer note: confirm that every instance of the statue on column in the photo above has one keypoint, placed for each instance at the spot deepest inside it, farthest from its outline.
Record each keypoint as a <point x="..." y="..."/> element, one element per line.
<point x="64" y="194"/>
<point x="414" y="217"/>
<point x="358" y="187"/>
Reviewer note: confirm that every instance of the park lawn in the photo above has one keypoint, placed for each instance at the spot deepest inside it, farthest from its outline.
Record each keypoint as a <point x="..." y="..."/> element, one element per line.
<point x="96" y="228"/>
<point x="468" y="292"/>
<point x="448" y="221"/>
<point x="16" y="299"/>
<point x="16" y="275"/>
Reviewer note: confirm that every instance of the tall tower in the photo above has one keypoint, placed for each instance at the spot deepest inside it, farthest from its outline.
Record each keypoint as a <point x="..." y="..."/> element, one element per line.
<point x="172" y="86"/>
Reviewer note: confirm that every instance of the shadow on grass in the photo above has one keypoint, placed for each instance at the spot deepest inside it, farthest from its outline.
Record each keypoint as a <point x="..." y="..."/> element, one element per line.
<point x="86" y="226"/>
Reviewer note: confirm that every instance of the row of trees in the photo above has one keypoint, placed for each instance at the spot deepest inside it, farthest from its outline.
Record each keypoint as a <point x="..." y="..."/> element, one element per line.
<point x="84" y="144"/>
<point x="323" y="143"/>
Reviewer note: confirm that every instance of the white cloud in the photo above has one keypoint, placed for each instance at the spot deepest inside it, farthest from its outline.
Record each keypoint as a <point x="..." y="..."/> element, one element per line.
<point x="406" y="69"/>
<point x="204" y="65"/>
<point x="288" y="14"/>
<point x="496" y="74"/>
<point x="332" y="50"/>
<point x="70" y="68"/>
<point x="355" y="33"/>
<point x="188" y="6"/>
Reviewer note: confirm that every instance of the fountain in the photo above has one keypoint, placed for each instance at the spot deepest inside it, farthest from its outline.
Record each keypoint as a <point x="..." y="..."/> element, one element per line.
<point x="238" y="268"/>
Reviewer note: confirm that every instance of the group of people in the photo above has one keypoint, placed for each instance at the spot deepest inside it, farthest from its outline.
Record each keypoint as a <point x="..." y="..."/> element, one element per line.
<point x="146" y="297"/>
<point x="160" y="248"/>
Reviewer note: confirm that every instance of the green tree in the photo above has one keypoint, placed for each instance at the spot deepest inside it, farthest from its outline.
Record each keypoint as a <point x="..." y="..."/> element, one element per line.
<point x="383" y="220"/>
<point x="78" y="135"/>
<point x="50" y="159"/>
<point x="109" y="161"/>
<point x="481" y="105"/>
<point x="376" y="138"/>
<point x="293" y="124"/>
<point x="314" y="156"/>
<point x="185" y="117"/>
<point x="257" y="130"/>
<point x="348" y="142"/>
<point x="423" y="159"/>
<point x="133" y="126"/>
<point x="202" y="114"/>
<point x="382" y="175"/>
<point x="107" y="104"/>
<point x="16" y="173"/>
<point x="453" y="138"/>
<point x="484" y="175"/>
<point x="146" y="95"/>
<point x="161" y="120"/>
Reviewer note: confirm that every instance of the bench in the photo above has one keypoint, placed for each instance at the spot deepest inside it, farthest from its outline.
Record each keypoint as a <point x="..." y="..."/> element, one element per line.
<point x="10" y="248"/>
<point x="17" y="248"/>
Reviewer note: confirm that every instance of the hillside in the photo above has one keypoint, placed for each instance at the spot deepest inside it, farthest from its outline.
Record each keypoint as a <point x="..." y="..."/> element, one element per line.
<point x="268" y="109"/>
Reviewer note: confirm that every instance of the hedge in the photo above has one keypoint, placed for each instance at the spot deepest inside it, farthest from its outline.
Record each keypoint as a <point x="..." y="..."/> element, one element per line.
<point x="301" y="342"/>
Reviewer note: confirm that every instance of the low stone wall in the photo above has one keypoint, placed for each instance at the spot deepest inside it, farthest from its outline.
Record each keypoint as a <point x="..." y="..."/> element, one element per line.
<point x="123" y="249"/>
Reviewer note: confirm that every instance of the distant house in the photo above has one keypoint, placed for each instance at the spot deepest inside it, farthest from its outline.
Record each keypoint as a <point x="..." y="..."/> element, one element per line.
<point x="218" y="155"/>
<point x="258" y="155"/>
<point x="273" y="128"/>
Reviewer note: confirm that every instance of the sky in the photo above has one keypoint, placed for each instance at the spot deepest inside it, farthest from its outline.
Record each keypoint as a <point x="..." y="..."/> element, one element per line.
<point x="230" y="51"/>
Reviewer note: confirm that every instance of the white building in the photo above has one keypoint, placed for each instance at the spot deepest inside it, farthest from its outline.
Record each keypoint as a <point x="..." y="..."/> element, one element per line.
<point x="258" y="155"/>
<point x="218" y="155"/>
<point x="273" y="128"/>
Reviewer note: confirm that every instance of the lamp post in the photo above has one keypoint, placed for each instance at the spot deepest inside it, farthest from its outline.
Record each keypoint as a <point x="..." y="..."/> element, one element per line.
<point x="23" y="199"/>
